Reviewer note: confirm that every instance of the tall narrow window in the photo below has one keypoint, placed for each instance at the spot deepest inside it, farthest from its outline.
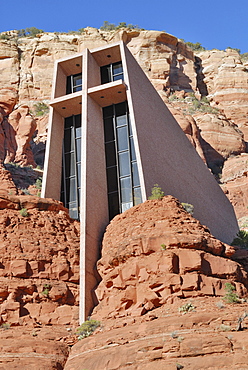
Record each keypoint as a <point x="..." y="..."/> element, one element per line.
<point x="111" y="72"/>
<point x="71" y="169"/>
<point x="121" y="164"/>
<point x="74" y="83"/>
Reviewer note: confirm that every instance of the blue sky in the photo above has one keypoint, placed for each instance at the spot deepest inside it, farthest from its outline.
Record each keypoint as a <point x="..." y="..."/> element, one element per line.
<point x="213" y="23"/>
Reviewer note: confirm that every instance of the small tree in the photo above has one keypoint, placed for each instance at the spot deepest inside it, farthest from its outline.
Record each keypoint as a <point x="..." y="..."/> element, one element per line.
<point x="231" y="295"/>
<point x="157" y="192"/>
<point x="241" y="240"/>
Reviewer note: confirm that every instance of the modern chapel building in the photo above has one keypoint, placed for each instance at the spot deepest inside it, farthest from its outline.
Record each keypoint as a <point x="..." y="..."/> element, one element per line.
<point x="110" y="139"/>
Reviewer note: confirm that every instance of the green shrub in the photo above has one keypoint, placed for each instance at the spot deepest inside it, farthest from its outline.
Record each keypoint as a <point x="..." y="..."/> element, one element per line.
<point x="4" y="36"/>
<point x="163" y="247"/>
<point x="230" y="296"/>
<point x="38" y="183"/>
<point x="40" y="109"/>
<point x="241" y="240"/>
<point x="87" y="328"/>
<point x="46" y="290"/>
<point x="111" y="26"/>
<point x="187" y="307"/>
<point x="24" y="212"/>
<point x="238" y="50"/>
<point x="157" y="192"/>
<point x="31" y="31"/>
<point x="224" y="327"/>
<point x="188" y="207"/>
<point x="107" y="26"/>
<point x="195" y="46"/>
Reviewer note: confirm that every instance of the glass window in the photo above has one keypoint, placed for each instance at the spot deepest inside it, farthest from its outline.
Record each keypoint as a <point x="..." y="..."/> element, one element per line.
<point x="109" y="129"/>
<point x="133" y="154"/>
<point x="110" y="154"/>
<point x="71" y="172"/>
<point x="117" y="68"/>
<point x="124" y="164"/>
<point x="126" y="190"/>
<point x="137" y="198"/>
<point x="78" y="149"/>
<point x="123" y="184"/>
<point x="121" y="121"/>
<point x="122" y="138"/>
<point x="113" y="200"/>
<point x="73" y="210"/>
<point x="111" y="72"/>
<point x="108" y="111"/>
<point x="112" y="179"/>
<point x="120" y="109"/>
<point x="136" y="181"/>
<point x="74" y="83"/>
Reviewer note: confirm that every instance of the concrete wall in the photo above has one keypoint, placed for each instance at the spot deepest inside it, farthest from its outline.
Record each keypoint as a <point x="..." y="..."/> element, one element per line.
<point x="53" y="158"/>
<point x="169" y="159"/>
<point x="94" y="203"/>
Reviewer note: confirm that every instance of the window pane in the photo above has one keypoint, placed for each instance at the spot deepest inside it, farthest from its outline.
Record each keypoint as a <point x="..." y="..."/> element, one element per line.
<point x="122" y="139"/>
<point x="120" y="109"/>
<point x="124" y="164"/>
<point x="77" y="80"/>
<point x="79" y="174"/>
<point x="125" y="206"/>
<point x="68" y="85"/>
<point x="126" y="190"/>
<point x="78" y="132"/>
<point x="72" y="196"/>
<point x="137" y="196"/>
<point x="77" y="88"/>
<point x="121" y="120"/>
<point x="118" y="77"/>
<point x="105" y="74"/>
<point x="113" y="201"/>
<point x="68" y="122"/>
<point x="108" y="129"/>
<point x="77" y="120"/>
<point x="117" y="68"/>
<point x="73" y="209"/>
<point x="108" y="111"/>
<point x="69" y="165"/>
<point x="110" y="154"/>
<point x="133" y="154"/>
<point x="112" y="179"/>
<point x="78" y="148"/>
<point x="136" y="181"/>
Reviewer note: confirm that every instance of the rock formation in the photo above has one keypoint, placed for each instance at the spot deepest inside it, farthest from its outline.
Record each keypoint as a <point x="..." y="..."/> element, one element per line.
<point x="156" y="252"/>
<point x="39" y="267"/>
<point x="217" y="131"/>
<point x="161" y="296"/>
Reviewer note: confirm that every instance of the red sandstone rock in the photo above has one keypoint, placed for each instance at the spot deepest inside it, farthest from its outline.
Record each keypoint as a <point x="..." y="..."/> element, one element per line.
<point x="235" y="183"/>
<point x="39" y="262"/>
<point x="156" y="252"/>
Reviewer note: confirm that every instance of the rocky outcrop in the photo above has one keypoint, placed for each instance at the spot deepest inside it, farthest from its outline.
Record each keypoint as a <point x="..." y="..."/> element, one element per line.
<point x="39" y="267"/>
<point x="17" y="128"/>
<point x="226" y="80"/>
<point x="33" y="348"/>
<point x="163" y="299"/>
<point x="157" y="252"/>
<point x="204" y="338"/>
<point x="234" y="181"/>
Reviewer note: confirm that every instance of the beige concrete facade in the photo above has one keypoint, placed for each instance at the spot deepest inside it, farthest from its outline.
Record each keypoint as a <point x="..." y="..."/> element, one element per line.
<point x="164" y="154"/>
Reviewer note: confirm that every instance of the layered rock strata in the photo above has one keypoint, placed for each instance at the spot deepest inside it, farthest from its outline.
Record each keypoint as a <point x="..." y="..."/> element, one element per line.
<point x="39" y="267"/>
<point x="156" y="252"/>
